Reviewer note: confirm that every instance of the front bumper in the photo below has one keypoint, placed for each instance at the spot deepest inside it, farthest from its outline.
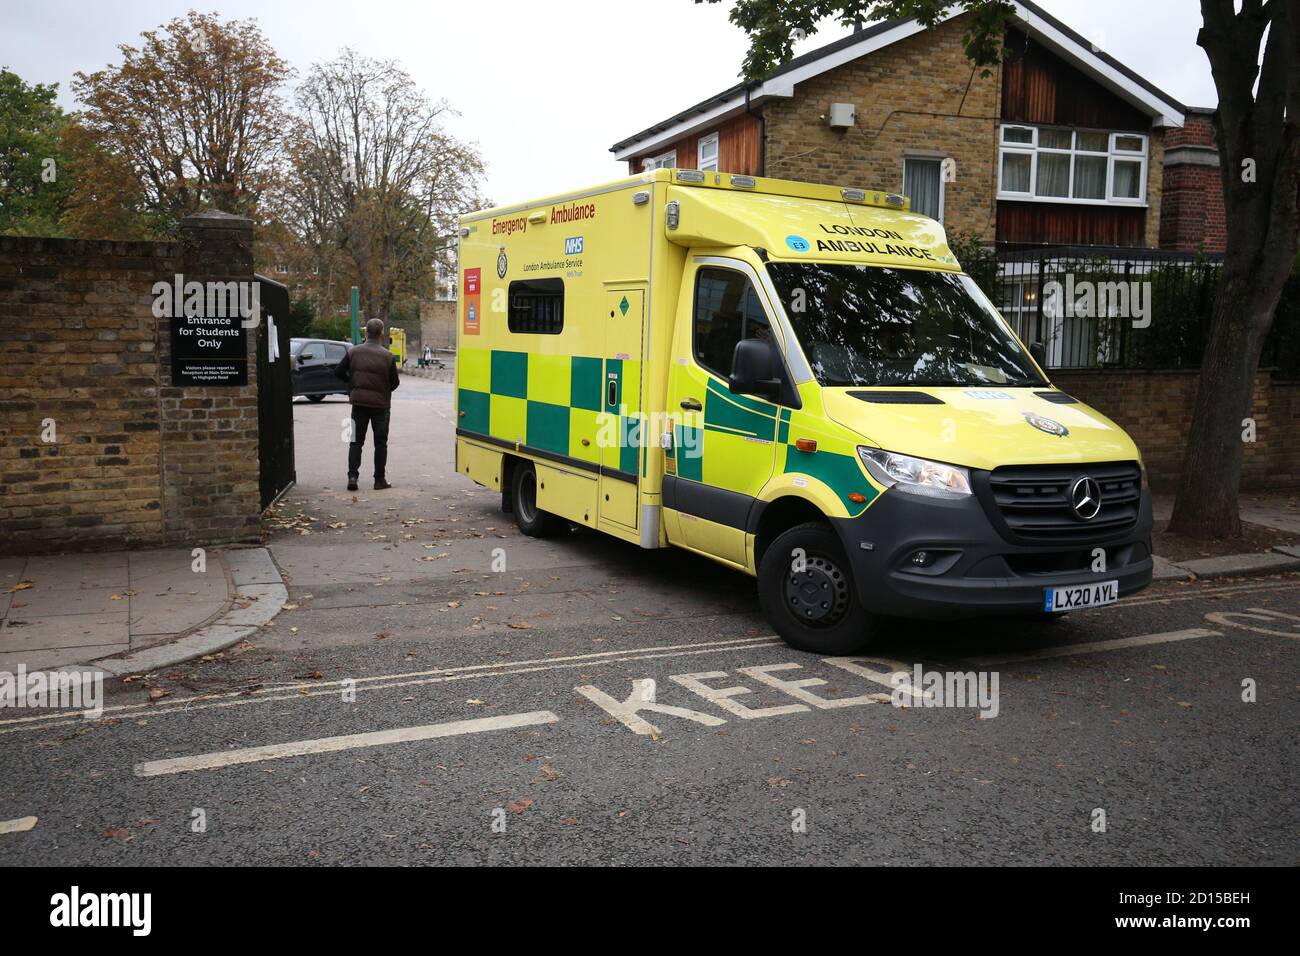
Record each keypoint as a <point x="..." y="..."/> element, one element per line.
<point x="974" y="569"/>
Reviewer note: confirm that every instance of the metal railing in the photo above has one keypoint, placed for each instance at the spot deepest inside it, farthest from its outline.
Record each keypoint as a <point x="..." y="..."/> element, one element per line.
<point x="1115" y="307"/>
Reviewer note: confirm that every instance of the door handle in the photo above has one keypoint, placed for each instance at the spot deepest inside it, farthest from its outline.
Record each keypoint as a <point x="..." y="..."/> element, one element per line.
<point x="692" y="404"/>
<point x="611" y="393"/>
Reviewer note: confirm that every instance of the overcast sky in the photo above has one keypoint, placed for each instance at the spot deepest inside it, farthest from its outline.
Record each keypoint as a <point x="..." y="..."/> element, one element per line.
<point x="544" y="88"/>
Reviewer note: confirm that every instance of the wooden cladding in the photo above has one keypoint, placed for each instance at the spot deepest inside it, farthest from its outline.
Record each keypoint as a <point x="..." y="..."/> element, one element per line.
<point x="1039" y="87"/>
<point x="739" y="147"/>
<point x="1071" y="224"/>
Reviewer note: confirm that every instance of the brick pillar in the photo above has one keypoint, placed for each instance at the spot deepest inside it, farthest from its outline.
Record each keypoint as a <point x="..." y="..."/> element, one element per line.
<point x="210" y="433"/>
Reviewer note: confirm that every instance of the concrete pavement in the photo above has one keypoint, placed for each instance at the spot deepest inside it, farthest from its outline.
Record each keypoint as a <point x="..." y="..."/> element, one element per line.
<point x="126" y="612"/>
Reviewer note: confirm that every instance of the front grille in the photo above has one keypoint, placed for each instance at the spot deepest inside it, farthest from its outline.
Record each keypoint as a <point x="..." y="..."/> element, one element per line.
<point x="1032" y="502"/>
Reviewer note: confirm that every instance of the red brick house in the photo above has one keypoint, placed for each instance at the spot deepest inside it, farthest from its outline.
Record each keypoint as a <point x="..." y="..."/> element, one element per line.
<point x="1062" y="144"/>
<point x="1192" y="216"/>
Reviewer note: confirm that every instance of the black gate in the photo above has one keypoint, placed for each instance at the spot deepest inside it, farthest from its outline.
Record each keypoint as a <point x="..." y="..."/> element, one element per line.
<point x="274" y="393"/>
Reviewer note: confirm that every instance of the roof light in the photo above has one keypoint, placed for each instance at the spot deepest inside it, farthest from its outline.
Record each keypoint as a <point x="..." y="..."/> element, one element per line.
<point x="640" y="198"/>
<point x="464" y="231"/>
<point x="854" y="195"/>
<point x="895" y="200"/>
<point x="748" y="182"/>
<point x="672" y="214"/>
<point x="690" y="176"/>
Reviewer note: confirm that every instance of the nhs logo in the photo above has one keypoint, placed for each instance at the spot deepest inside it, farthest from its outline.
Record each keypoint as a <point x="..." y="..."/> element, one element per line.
<point x="573" y="246"/>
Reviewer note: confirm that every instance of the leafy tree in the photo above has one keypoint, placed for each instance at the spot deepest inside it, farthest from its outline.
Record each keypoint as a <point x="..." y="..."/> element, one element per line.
<point x="1254" y="54"/>
<point x="374" y="174"/>
<point x="33" y="180"/>
<point x="302" y="313"/>
<point x="196" y="113"/>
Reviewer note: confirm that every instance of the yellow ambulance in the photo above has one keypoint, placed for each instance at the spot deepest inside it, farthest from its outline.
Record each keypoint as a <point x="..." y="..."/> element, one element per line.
<point x="797" y="381"/>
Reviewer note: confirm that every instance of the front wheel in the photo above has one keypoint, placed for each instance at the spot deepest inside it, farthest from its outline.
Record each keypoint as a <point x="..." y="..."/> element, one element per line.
<point x="807" y="592"/>
<point x="532" y="520"/>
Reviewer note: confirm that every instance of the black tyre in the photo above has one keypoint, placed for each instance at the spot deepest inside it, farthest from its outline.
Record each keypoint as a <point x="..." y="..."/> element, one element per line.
<point x="315" y="398"/>
<point x="807" y="592"/>
<point x="532" y="520"/>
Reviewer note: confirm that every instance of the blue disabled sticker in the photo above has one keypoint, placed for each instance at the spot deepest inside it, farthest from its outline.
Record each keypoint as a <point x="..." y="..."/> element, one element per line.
<point x="797" y="243"/>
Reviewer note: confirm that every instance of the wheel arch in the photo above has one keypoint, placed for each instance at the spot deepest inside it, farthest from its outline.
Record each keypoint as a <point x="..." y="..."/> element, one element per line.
<point x="780" y="515"/>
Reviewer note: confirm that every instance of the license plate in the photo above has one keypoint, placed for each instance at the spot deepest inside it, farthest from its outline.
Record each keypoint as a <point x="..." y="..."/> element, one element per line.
<point x="1080" y="596"/>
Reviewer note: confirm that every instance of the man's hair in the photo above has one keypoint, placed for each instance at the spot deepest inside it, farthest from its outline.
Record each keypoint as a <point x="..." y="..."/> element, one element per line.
<point x="374" y="328"/>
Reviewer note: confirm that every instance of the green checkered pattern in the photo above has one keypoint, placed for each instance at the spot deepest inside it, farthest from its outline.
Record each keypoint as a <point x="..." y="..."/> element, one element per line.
<point x="548" y="402"/>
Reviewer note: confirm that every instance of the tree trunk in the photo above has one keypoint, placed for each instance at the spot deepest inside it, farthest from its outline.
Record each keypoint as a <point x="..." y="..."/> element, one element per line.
<point x="1206" y="504"/>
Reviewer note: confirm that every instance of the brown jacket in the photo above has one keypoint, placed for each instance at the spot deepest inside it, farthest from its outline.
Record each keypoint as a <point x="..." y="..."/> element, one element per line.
<point x="371" y="371"/>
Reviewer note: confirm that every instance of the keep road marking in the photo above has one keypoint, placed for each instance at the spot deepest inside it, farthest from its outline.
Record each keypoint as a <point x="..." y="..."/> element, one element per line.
<point x="298" y="748"/>
<point x="1093" y="647"/>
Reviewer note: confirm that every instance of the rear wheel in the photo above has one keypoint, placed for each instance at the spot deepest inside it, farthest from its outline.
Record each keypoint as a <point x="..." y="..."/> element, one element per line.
<point x="532" y="520"/>
<point x="807" y="592"/>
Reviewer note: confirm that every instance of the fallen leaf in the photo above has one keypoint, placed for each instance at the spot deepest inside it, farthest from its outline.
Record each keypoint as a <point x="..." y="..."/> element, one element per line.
<point x="20" y="586"/>
<point x="519" y="806"/>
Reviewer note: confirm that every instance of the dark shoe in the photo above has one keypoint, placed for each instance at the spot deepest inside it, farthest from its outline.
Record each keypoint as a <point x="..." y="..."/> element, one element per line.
<point x="352" y="484"/>
<point x="381" y="484"/>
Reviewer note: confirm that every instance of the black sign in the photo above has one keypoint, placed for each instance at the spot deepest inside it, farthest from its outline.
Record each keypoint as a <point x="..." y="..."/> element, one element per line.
<point x="209" y="350"/>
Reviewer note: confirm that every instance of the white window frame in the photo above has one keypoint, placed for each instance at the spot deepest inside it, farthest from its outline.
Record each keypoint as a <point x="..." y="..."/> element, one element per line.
<point x="699" y="153"/>
<point x="1113" y="155"/>
<point x="666" y="160"/>
<point x="932" y="158"/>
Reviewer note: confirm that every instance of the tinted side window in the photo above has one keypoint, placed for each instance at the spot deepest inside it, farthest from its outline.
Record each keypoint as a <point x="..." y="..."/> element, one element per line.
<point x="536" y="306"/>
<point x="334" y="354"/>
<point x="726" y="310"/>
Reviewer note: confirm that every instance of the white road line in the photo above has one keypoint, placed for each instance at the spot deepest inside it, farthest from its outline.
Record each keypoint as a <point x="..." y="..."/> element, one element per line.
<point x="335" y="691"/>
<point x="1068" y="650"/>
<point x="298" y="748"/>
<point x="21" y="825"/>
<point x="593" y="657"/>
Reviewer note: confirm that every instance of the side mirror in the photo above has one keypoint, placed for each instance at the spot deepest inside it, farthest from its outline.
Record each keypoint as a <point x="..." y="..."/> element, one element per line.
<point x="1038" y="353"/>
<point x="305" y="357"/>
<point x="755" y="369"/>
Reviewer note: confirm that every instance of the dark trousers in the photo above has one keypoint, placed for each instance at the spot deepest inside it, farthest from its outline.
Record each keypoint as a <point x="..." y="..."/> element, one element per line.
<point x="377" y="419"/>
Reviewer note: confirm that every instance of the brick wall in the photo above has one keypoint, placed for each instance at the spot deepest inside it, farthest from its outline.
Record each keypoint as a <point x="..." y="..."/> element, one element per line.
<point x="1192" y="215"/>
<point x="919" y="96"/>
<point x="133" y="460"/>
<point x="1155" y="408"/>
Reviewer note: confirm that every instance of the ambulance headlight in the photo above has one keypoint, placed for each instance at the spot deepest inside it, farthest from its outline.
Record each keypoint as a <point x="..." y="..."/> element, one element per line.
<point x="916" y="476"/>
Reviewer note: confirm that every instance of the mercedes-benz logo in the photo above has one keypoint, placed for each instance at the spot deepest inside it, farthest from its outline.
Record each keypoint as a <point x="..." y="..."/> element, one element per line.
<point x="1085" y="498"/>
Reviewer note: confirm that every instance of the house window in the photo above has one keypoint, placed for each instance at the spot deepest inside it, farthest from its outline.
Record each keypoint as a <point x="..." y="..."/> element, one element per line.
<point x="1072" y="166"/>
<point x="663" y="161"/>
<point x="923" y="184"/>
<point x="707" y="154"/>
<point x="536" y="306"/>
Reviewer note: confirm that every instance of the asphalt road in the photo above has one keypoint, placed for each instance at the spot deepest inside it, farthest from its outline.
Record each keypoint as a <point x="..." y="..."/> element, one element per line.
<point x="414" y="705"/>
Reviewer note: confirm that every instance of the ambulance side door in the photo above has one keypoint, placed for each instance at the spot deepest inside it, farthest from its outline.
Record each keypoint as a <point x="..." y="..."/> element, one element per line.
<point x="724" y="445"/>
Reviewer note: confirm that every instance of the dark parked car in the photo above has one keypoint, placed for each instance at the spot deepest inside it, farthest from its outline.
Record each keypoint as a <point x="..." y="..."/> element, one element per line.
<point x="313" y="362"/>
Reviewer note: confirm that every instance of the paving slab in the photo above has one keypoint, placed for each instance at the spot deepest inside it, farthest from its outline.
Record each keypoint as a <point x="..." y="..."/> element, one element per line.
<point x="249" y="566"/>
<point x="1290" y="550"/>
<point x="68" y="630"/>
<point x="74" y="571"/>
<point x="1234" y="565"/>
<point x="52" y="659"/>
<point x="1166" y="570"/>
<point x="42" y="603"/>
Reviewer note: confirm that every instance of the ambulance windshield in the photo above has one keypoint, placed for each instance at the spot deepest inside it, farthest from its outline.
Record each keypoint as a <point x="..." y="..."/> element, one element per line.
<point x="864" y="325"/>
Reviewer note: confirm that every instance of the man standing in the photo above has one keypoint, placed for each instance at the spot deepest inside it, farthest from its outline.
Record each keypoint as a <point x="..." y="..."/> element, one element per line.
<point x="371" y="373"/>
